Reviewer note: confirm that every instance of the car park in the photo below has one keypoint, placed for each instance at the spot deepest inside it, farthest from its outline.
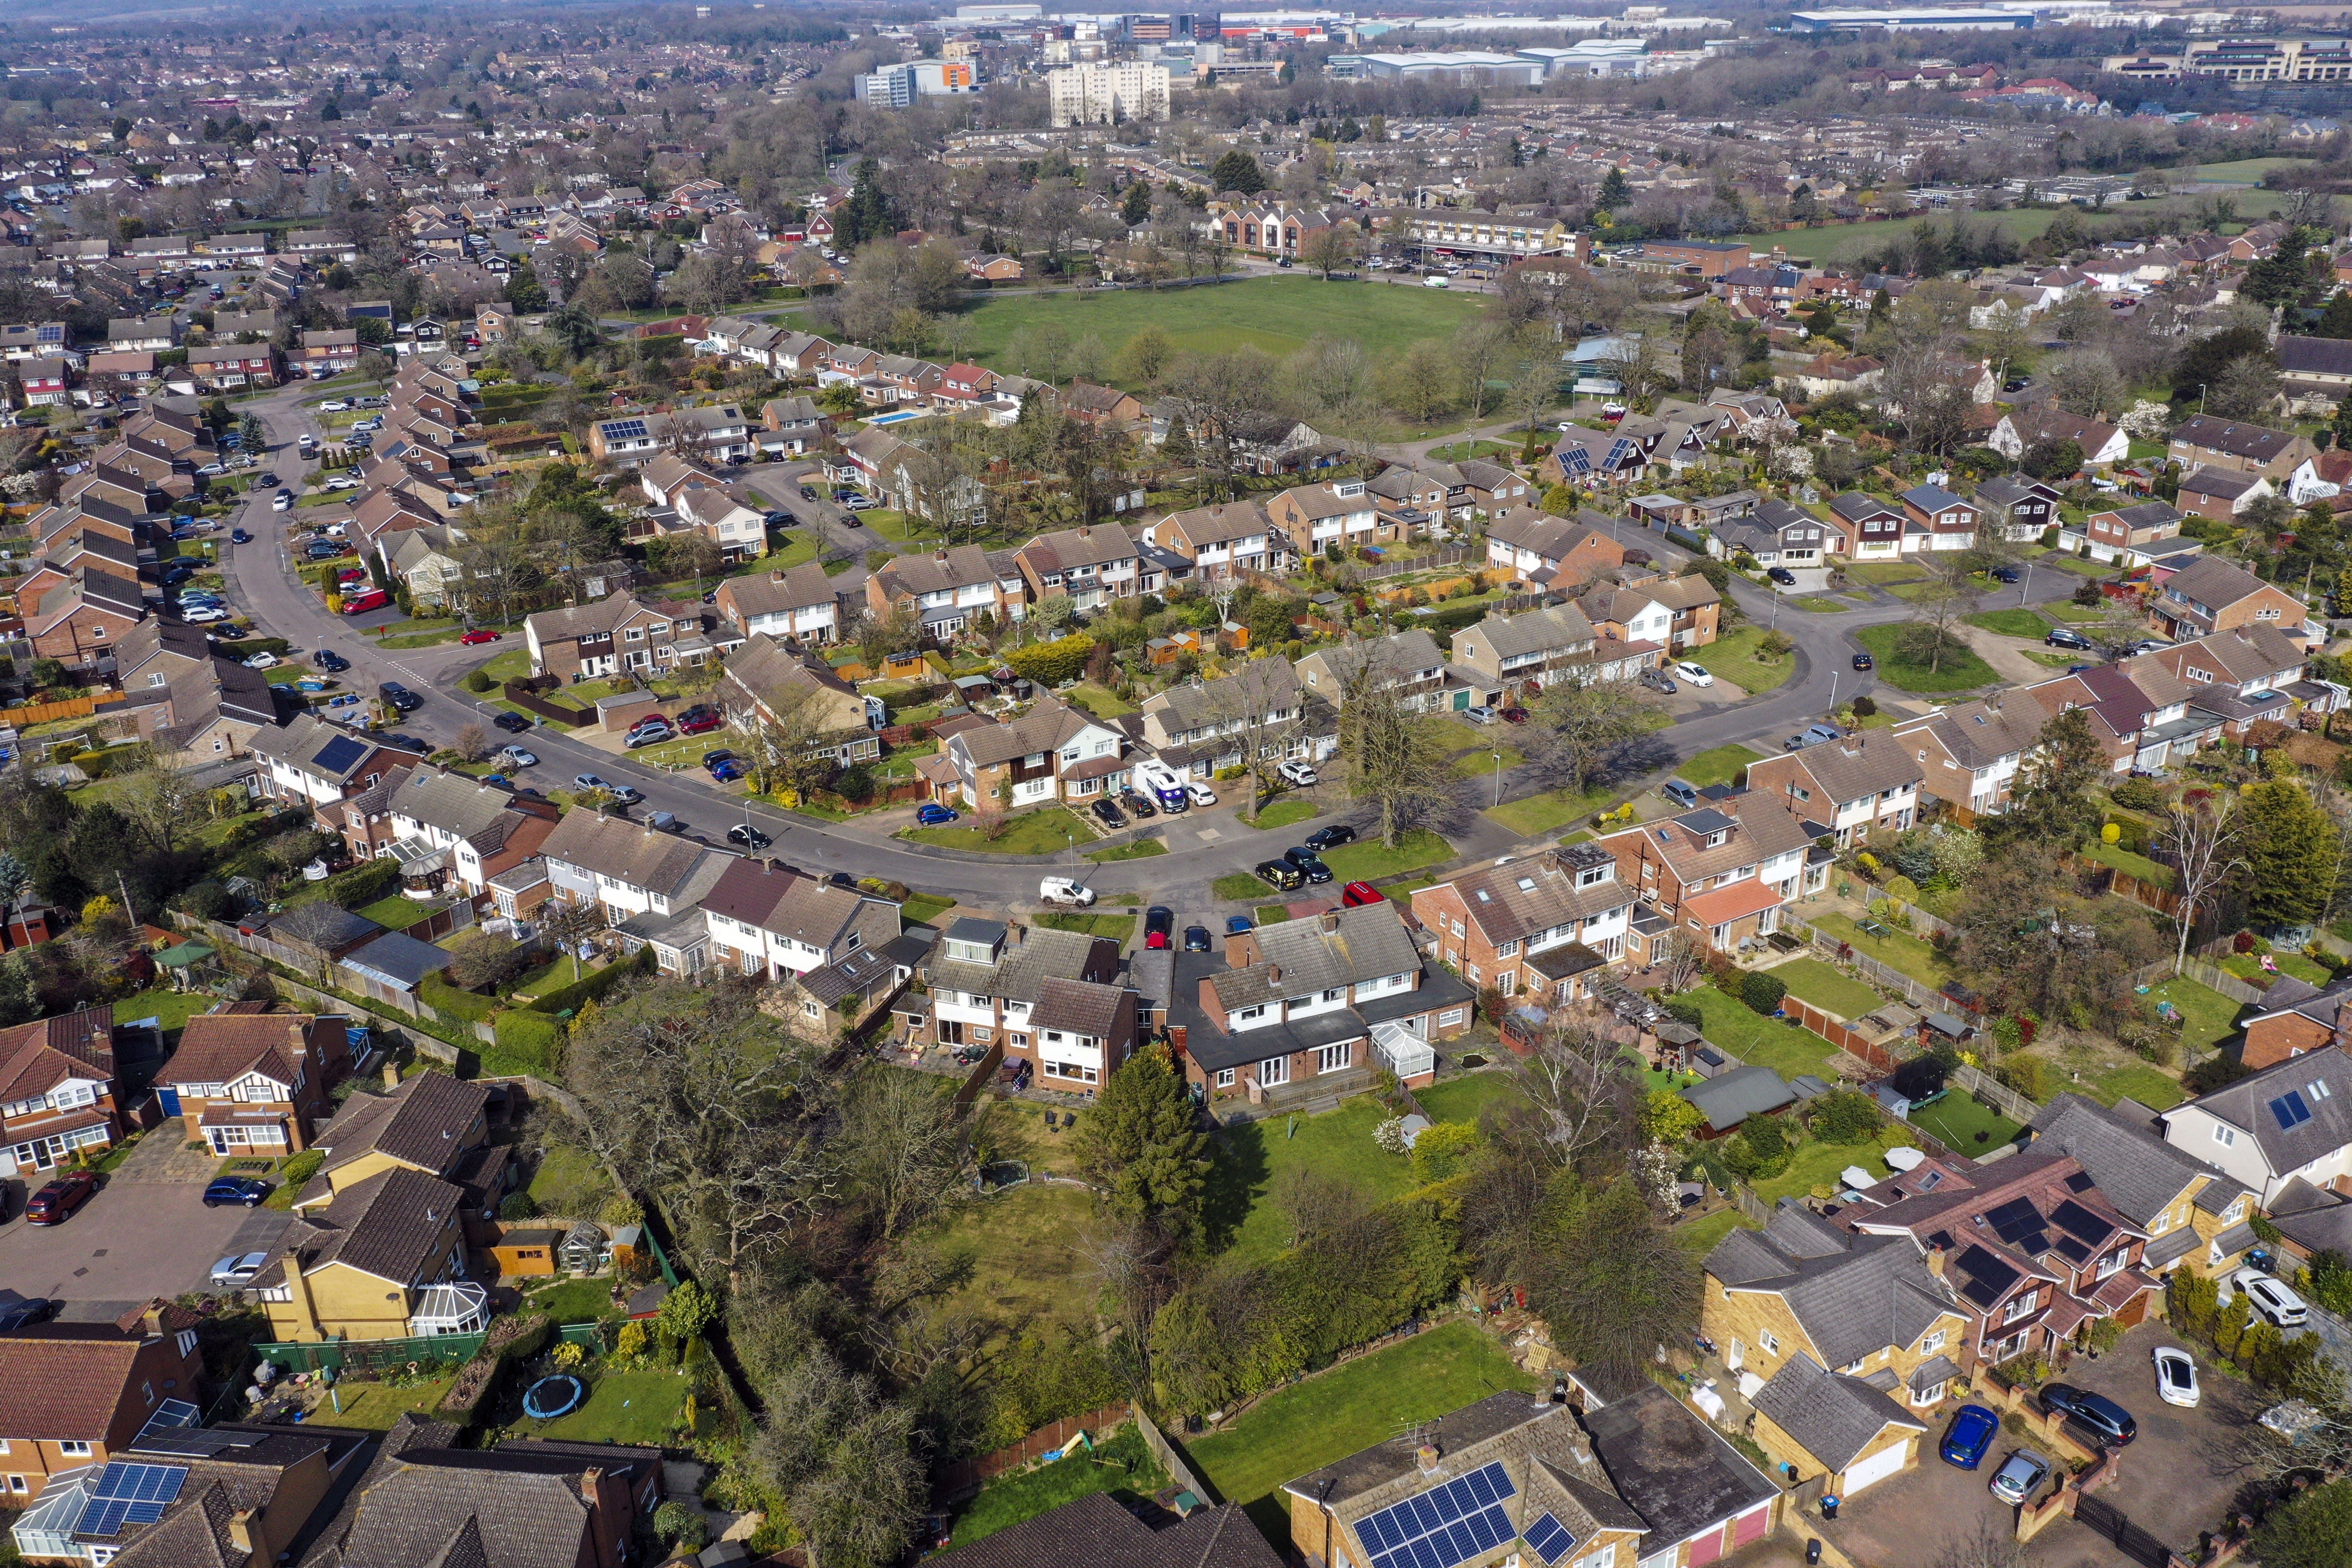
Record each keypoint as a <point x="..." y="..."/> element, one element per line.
<point x="1971" y="1436"/>
<point x="1064" y="890"/>
<point x="1196" y="939"/>
<point x="2176" y="1376"/>
<point x="749" y="836"/>
<point x="1696" y="674"/>
<point x="1357" y="894"/>
<point x="235" y="1273"/>
<point x="2019" y="1475"/>
<point x="2058" y="636"/>
<point x="934" y="815"/>
<point x="512" y="723"/>
<point x="2269" y="1296"/>
<point x="57" y="1202"/>
<point x="515" y="757"/>
<point x="478" y="637"/>
<point x="1281" y="874"/>
<point x="1108" y="815"/>
<point x="1330" y="837"/>
<point x="1159" y="922"/>
<point x="2109" y="1422"/>
<point x="1301" y="774"/>
<point x="1310" y="864"/>
<point x="245" y="1191"/>
<point x="1782" y="576"/>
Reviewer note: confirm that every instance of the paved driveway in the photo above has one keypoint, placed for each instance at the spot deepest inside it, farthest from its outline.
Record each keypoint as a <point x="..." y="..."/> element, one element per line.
<point x="146" y="1234"/>
<point x="1917" y="1516"/>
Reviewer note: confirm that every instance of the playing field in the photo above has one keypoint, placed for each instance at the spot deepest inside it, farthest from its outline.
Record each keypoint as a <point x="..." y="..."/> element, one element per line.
<point x="1841" y="241"/>
<point x="1276" y="314"/>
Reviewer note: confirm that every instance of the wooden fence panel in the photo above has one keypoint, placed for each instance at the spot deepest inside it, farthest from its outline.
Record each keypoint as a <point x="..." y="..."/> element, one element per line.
<point x="1998" y="1095"/>
<point x="2213" y="977"/>
<point x="967" y="1476"/>
<point x="1911" y="912"/>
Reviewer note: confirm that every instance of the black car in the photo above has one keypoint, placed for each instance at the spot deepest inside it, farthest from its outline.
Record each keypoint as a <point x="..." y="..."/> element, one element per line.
<point x="1782" y="576"/>
<point x="2016" y="384"/>
<point x="175" y="575"/>
<point x="1139" y="805"/>
<point x="1330" y="837"/>
<point x="1158" y="921"/>
<point x="1864" y="661"/>
<point x="1310" y="865"/>
<point x="807" y="493"/>
<point x="749" y="836"/>
<point x="1107" y="814"/>
<point x="408" y="743"/>
<point x="1196" y="939"/>
<point x="2058" y="636"/>
<point x="400" y="697"/>
<point x="512" y="723"/>
<point x="2004" y="573"/>
<point x="323" y="550"/>
<point x="2112" y="1421"/>
<point x="244" y="1190"/>
<point x="266" y="483"/>
<point x="1280" y="873"/>
<point x="25" y="1311"/>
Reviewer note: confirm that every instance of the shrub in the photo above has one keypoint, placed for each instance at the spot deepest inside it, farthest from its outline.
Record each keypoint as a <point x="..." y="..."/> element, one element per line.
<point x="365" y="883"/>
<point x="2030" y="1075"/>
<point x="478" y="680"/>
<point x="534" y="1037"/>
<point x="1442" y="1151"/>
<point x="519" y="1206"/>
<point x="1864" y="706"/>
<point x="1226" y="775"/>
<point x="1683" y="1010"/>
<point x="2138" y="795"/>
<point x="302" y="1167"/>
<point x="681" y="1524"/>
<point x="1846" y="1118"/>
<point x="1904" y="889"/>
<point x="1760" y="1151"/>
<point x="1762" y="990"/>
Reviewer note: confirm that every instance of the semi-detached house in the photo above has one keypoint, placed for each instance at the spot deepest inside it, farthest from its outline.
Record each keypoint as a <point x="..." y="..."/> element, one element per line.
<point x="1222" y="541"/>
<point x="1724" y="870"/>
<point x="1969" y="755"/>
<point x="770" y="921"/>
<point x="1408" y="663"/>
<point x="2194" y="1216"/>
<point x="1053" y="751"/>
<point x="2211" y="595"/>
<point x="797" y="693"/>
<point x="1204" y="725"/>
<point x="637" y="876"/>
<point x="994" y="982"/>
<point x="1543" y="925"/>
<point x="948" y="588"/>
<point x="1538" y="648"/>
<point x="450" y="830"/>
<point x="1090" y="565"/>
<point x="1863" y="783"/>
<point x="312" y="760"/>
<point x="620" y="632"/>
<point x="1552" y="552"/>
<point x="798" y="604"/>
<point x="1339" y="514"/>
<point x="2290" y="1122"/>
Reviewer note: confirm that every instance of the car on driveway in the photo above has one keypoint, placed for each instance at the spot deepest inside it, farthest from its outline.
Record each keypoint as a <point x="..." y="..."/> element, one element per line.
<point x="55" y="1202"/>
<point x="700" y="723"/>
<point x="1310" y="865"/>
<point x="243" y="1190"/>
<point x="1300" y="774"/>
<point x="1108" y="815"/>
<point x="2109" y="1422"/>
<point x="1696" y="674"/>
<point x="203" y="615"/>
<point x="235" y="1273"/>
<point x="1969" y="1437"/>
<point x="478" y="637"/>
<point x="512" y="723"/>
<point x="1139" y="805"/>
<point x="1196" y="939"/>
<point x="2176" y="1376"/>
<point x="25" y="1311"/>
<point x="1158" y="921"/>
<point x="749" y="836"/>
<point x="2058" y="636"/>
<point x="649" y="737"/>
<point x="1782" y="576"/>
<point x="1237" y="924"/>
<point x="2004" y="573"/>
<point x="727" y="771"/>
<point x="399" y="697"/>
<point x="934" y="815"/>
<point x="2019" y="1475"/>
<point x="2271" y="1298"/>
<point x="589" y="783"/>
<point x="1811" y="735"/>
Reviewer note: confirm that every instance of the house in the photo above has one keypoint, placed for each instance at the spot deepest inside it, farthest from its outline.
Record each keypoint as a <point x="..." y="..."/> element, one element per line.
<point x="799" y="605"/>
<point x="947" y="589"/>
<point x="254" y="1082"/>
<point x="2244" y="676"/>
<point x="627" y="867"/>
<point x="1554" y="554"/>
<point x="1969" y="755"/>
<point x="1097" y="1530"/>
<point x="1776" y="533"/>
<point x="233" y="365"/>
<point x="58" y="1090"/>
<point x="801" y="699"/>
<point x="1864" y="528"/>
<point x="1091" y="564"/>
<point x="1534" y="648"/>
<point x="1938" y="519"/>
<point x="2016" y="510"/>
<point x="794" y="425"/>
<point x="1492" y="488"/>
<point x="2138" y="711"/>
<point x="328" y="352"/>
<point x="2123" y="534"/>
<point x="2289" y="1120"/>
<point x="1691" y="608"/>
<point x="773" y="921"/>
<point x="1260" y="708"/>
<point x="1101" y="405"/>
<point x="1053" y="751"/>
<point x="2316" y="372"/>
<point x="1638" y="1477"/>
<point x="1341" y="515"/>
<point x="1862" y="782"/>
<point x="2211" y="595"/>
<point x="1308" y="1007"/>
<point x="365" y="1265"/>
<point x="1867" y="1309"/>
<point x="1410" y="505"/>
<point x="1009" y="984"/>
<point x="1723" y="871"/>
<point x="2222" y="493"/>
<point x="2047" y="425"/>
<point x="2193" y="1215"/>
<point x="1544" y="925"/>
<point x="1829" y="373"/>
<point x="1594" y="459"/>
<point x="633" y="438"/>
<point x="2206" y="441"/>
<point x="453" y="833"/>
<point x="428" y="1122"/>
<point x="1223" y="541"/>
<point x="621" y="631"/>
<point x="1407" y="661"/>
<point x="75" y="1396"/>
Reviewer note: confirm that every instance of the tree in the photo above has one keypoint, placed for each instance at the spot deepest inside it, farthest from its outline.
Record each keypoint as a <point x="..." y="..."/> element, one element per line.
<point x="1937" y="612"/>
<point x="479" y="960"/>
<point x="1135" y="207"/>
<point x="2290" y="857"/>
<point x="845" y="1461"/>
<point x="1237" y="171"/>
<point x="1138" y="1150"/>
<point x="2312" y="1530"/>
<point x="1580" y="724"/>
<point x="165" y="802"/>
<point x="905" y="1149"/>
<point x="1619" y="1284"/>
<point x="568" y="925"/>
<point x="473" y="744"/>
<point x="1148" y="354"/>
<point x="1260" y="710"/>
<point x="1390" y="756"/>
<point x="2201" y="834"/>
<point x="2086" y="381"/>
<point x="1330" y="248"/>
<point x="1419" y="383"/>
<point x="2058" y="774"/>
<point x="15" y="881"/>
<point x="2247" y="388"/>
<point x="2058" y="460"/>
<point x="2280" y="278"/>
<point x="1616" y="195"/>
<point x="1583" y="1100"/>
<point x="2201" y="364"/>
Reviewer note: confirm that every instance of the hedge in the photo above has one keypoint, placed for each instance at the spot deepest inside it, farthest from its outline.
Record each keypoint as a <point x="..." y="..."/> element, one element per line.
<point x="443" y="997"/>
<point x="590" y="987"/>
<point x="532" y="1037"/>
<point x="364" y="884"/>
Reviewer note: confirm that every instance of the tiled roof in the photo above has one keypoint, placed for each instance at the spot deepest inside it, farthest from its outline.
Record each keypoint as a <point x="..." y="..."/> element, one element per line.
<point x="1833" y="1416"/>
<point x="64" y="1389"/>
<point x="759" y="893"/>
<point x="216" y="1048"/>
<point x="423" y="1122"/>
<point x="1095" y="1530"/>
<point x="389" y="1225"/>
<point x="625" y="850"/>
<point x="1852" y="1295"/>
<point x="1529" y="897"/>
<point x="1341" y="948"/>
<point x="2256" y="442"/>
<point x="803" y="586"/>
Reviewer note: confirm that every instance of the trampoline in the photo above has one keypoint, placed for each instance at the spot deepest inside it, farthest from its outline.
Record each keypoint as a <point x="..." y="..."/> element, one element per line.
<point x="553" y="1396"/>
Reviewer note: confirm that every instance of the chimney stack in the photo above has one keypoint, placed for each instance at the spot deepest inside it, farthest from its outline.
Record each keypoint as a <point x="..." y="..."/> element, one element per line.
<point x="1426" y="1457"/>
<point x="390" y="1076"/>
<point x="1274" y="971"/>
<point x="1330" y="921"/>
<point x="1013" y="933"/>
<point x="241" y="1532"/>
<point x="1936" y="1261"/>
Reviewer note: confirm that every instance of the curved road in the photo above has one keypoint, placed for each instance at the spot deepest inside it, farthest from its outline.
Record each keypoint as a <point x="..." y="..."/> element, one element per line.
<point x="262" y="584"/>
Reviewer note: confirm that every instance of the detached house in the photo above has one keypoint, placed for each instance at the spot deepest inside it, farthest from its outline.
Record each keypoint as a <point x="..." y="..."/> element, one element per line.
<point x="2206" y="441"/>
<point x="1776" y="533"/>
<point x="1864" y="528"/>
<point x="2047" y="425"/>
<point x="1554" y="554"/>
<point x="1864" y="782"/>
<point x="1543" y="925"/>
<point x="2129" y="536"/>
<point x="383" y="1259"/>
<point x="1053" y="751"/>
<point x="2211" y="595"/>
<point x="429" y="1122"/>
<point x="1938" y="519"/>
<point x="2018" y="510"/>
<point x="58" y="1090"/>
<point x="2289" y="1121"/>
<point x="76" y="1395"/>
<point x="1536" y="647"/>
<point x="254" y="1082"/>
<point x="799" y="695"/>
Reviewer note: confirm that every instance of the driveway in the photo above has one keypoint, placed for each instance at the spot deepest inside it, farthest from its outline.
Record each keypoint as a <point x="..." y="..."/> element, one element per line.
<point x="1917" y="1516"/>
<point x="146" y="1234"/>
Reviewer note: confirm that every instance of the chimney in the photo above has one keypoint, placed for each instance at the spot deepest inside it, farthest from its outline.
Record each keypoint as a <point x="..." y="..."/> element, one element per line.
<point x="940" y="555"/>
<point x="1274" y="971"/>
<point x="1426" y="1457"/>
<point x="1013" y="933"/>
<point x="390" y="1076"/>
<point x="242" y="1534"/>
<point x="1330" y="921"/>
<point x="1936" y="1261"/>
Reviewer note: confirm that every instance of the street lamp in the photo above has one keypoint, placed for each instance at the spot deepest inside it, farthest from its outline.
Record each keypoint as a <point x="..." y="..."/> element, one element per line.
<point x="1498" y="774"/>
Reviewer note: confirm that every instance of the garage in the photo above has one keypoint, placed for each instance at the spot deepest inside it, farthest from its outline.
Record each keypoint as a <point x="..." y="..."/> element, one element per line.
<point x="1888" y="1461"/>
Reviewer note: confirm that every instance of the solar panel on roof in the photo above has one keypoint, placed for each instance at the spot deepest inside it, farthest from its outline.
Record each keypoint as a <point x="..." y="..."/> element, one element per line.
<point x="130" y="1493"/>
<point x="2014" y="1220"/>
<point x="1442" y="1527"/>
<point x="2290" y="1110"/>
<point x="2075" y="1220"/>
<point x="175" y="1412"/>
<point x="1548" y="1539"/>
<point x="340" y="753"/>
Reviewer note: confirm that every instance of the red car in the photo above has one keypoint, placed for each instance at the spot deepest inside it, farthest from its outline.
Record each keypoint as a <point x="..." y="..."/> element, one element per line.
<point x="1358" y="893"/>
<point x="478" y="635"/>
<point x="53" y="1202"/>
<point x="700" y="724"/>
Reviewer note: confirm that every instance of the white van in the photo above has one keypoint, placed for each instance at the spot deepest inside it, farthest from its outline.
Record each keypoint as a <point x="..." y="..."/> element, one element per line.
<point x="1435" y="280"/>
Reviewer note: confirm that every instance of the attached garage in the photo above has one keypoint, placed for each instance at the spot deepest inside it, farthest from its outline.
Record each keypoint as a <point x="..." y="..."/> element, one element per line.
<point x="1891" y="1460"/>
<point x="1834" y="1425"/>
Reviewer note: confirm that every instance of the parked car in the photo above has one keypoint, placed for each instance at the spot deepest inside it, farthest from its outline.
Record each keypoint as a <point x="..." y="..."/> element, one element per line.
<point x="203" y="615"/>
<point x="588" y="784"/>
<point x="515" y="757"/>
<point x="1301" y="774"/>
<point x="408" y="743"/>
<point x="400" y="697"/>
<point x="478" y="637"/>
<point x="1330" y="837"/>
<point x="860" y="503"/>
<point x="727" y="772"/>
<point x="1200" y="793"/>
<point x="1519" y="715"/>
<point x="2058" y="636"/>
<point x="700" y="723"/>
<point x="512" y="723"/>
<point x="1064" y="890"/>
<point x="335" y="664"/>
<point x="55" y="1202"/>
<point x="1864" y="661"/>
<point x="2019" y="1475"/>
<point x="934" y="815"/>
<point x="1107" y="814"/>
<point x="1680" y="794"/>
<point x="1196" y="939"/>
<point x="1811" y="735"/>
<point x="1358" y="893"/>
<point x="749" y="836"/>
<point x="1782" y="576"/>
<point x="235" y="1273"/>
<point x="2269" y="1296"/>
<point x="1237" y="924"/>
<point x="1281" y="874"/>
<point x="1480" y="714"/>
<point x="627" y="795"/>
<point x="25" y="1311"/>
<point x="1139" y="805"/>
<point x="1969" y="1437"/>
<point x="649" y="737"/>
<point x="2176" y="1376"/>
<point x="262" y="661"/>
<point x="1310" y="865"/>
<point x="1696" y="674"/>
<point x="244" y="1189"/>
<point x="282" y="501"/>
<point x="2111" y="1422"/>
<point x="2004" y="573"/>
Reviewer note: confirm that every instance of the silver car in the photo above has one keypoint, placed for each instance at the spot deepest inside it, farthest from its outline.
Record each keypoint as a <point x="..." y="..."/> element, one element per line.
<point x="234" y="1272"/>
<point x="2019" y="1475"/>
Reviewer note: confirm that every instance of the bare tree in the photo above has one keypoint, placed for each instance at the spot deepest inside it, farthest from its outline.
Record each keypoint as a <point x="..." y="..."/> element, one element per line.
<point x="1933" y="633"/>
<point x="1211" y="394"/>
<point x="569" y="925"/>
<point x="1260" y="710"/>
<point x="2202" y="834"/>
<point x="903" y="1149"/>
<point x="1330" y="248"/>
<point x="163" y="802"/>
<point x="1575" y="1078"/>
<point x="1579" y="724"/>
<point x="473" y="744"/>
<point x="1391" y="759"/>
<point x="779" y="732"/>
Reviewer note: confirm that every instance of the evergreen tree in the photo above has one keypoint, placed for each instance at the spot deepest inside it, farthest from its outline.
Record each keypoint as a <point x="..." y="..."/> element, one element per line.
<point x="1237" y="171"/>
<point x="1614" y="191"/>
<point x="866" y="215"/>
<point x="1139" y="1148"/>
<point x="2336" y="321"/>
<point x="2291" y="850"/>
<point x="1882" y="311"/>
<point x="1518" y="155"/>
<point x="2066" y="763"/>
<point x="2279" y="277"/>
<point x="1136" y="206"/>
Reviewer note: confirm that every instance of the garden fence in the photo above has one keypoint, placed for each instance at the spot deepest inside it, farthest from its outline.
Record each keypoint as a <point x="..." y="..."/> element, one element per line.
<point x="1998" y="1095"/>
<point x="1911" y="914"/>
<point x="368" y="1355"/>
<point x="1885" y="977"/>
<point x="1165" y="1452"/>
<point x="1750" y="1203"/>
<point x="1435" y="561"/>
<point x="2213" y="977"/>
<point x="966" y="1476"/>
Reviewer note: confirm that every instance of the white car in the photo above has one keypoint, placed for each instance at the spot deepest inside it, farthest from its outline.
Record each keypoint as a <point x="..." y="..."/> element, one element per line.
<point x="204" y="617"/>
<point x="590" y="783"/>
<point x="334" y="405"/>
<point x="1064" y="890"/>
<point x="2271" y="1298"/>
<point x="262" y="661"/>
<point x="1201" y="793"/>
<point x="1696" y="674"/>
<point x="340" y="482"/>
<point x="2176" y="1376"/>
<point x="515" y="757"/>
<point x="230" y="1273"/>
<point x="1299" y="774"/>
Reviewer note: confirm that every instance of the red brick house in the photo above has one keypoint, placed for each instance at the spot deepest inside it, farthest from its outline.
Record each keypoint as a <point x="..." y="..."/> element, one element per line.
<point x="74" y="1395"/>
<point x="58" y="1090"/>
<point x="255" y="1082"/>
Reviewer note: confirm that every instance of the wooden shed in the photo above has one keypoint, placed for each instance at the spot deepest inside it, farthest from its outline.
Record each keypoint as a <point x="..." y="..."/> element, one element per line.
<point x="526" y="1251"/>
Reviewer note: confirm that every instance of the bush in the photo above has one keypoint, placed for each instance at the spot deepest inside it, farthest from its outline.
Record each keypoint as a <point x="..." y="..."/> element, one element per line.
<point x="2029" y="1075"/>
<point x="681" y="1524"/>
<point x="298" y="1170"/>
<point x="365" y="883"/>
<point x="856" y="782"/>
<point x="532" y="1035"/>
<point x="1864" y="706"/>
<point x="1760" y="1150"/>
<point x="1442" y="1151"/>
<point x="519" y="1206"/>
<point x="1762" y="990"/>
<point x="2216" y="1071"/>
<point x="1227" y="775"/>
<point x="1902" y="888"/>
<point x="478" y="680"/>
<point x="2138" y="795"/>
<point x="1846" y="1118"/>
<point x="1683" y="1010"/>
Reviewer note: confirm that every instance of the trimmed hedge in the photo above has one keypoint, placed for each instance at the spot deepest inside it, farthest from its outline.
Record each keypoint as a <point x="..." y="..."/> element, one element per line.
<point x="364" y="884"/>
<point x="443" y="997"/>
<point x="590" y="987"/>
<point x="529" y="1037"/>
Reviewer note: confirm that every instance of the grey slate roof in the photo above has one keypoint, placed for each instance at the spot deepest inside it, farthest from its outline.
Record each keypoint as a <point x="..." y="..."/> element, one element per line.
<point x="2246" y="1105"/>
<point x="1365" y="943"/>
<point x="422" y="1124"/>
<point x="1097" y="1530"/>
<point x="2136" y="1169"/>
<point x="1853" y="1294"/>
<point x="1732" y="1098"/>
<point x="1834" y="1415"/>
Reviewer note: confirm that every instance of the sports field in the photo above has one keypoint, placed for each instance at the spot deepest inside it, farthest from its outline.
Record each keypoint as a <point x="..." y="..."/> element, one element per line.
<point x="1839" y="240"/>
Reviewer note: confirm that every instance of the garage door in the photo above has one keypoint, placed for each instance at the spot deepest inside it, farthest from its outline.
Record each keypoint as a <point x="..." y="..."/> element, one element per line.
<point x="1877" y="1468"/>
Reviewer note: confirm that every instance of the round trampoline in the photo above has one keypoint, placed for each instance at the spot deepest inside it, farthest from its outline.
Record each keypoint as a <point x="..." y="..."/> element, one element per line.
<point x="553" y="1396"/>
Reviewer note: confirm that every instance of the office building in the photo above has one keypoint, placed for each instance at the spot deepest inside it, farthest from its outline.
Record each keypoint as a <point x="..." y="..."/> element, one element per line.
<point x="898" y="86"/>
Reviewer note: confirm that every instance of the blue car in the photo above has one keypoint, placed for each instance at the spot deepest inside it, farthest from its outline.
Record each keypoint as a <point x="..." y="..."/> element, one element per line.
<point x="727" y="773"/>
<point x="242" y="1190"/>
<point x="240" y="536"/>
<point x="1236" y="924"/>
<point x="1969" y="1437"/>
<point x="934" y="815"/>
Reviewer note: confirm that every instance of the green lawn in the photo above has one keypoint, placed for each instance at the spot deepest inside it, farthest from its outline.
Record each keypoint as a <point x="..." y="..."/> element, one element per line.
<point x="1462" y="1099"/>
<point x="1099" y="701"/>
<point x="1046" y="832"/>
<point x="1368" y="858"/>
<point x="1119" y="927"/>
<point x="923" y="909"/>
<point x="1541" y="814"/>
<point x="797" y="549"/>
<point x="376" y="1406"/>
<point x="2248" y="967"/>
<point x="1121" y="1465"/>
<point x="573" y="1301"/>
<point x="1023" y="1249"/>
<point x="1721" y="765"/>
<point x="1700" y="1237"/>
<point x="1758" y="1041"/>
<point x="569" y="1183"/>
<point x="1885" y="573"/>
<point x="1279" y="315"/>
<point x="1464" y="451"/>
<point x="1965" y="1124"/>
<point x="1486" y="762"/>
<point x="1368" y="1401"/>
<point x="1281" y="814"/>
<point x="1139" y="849"/>
<point x="395" y="913"/>
<point x="1960" y="669"/>
<point x="1238" y="886"/>
<point x="2209" y="1016"/>
<point x="2014" y="622"/>
<point x="1825" y="986"/>
<point x="2073" y="614"/>
<point x="1249" y="1160"/>
<point x="1857" y="239"/>
<point x="2153" y="1087"/>
<point x="631" y="1407"/>
<point x="172" y="1008"/>
<point x="2131" y="865"/>
<point x="1897" y="950"/>
<point x="1732" y="657"/>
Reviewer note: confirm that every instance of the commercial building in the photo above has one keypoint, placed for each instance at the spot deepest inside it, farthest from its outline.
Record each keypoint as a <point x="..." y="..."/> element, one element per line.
<point x="2270" y="59"/>
<point x="1093" y="93"/>
<point x="899" y="84"/>
<point x="1926" y="19"/>
<point x="1451" y="65"/>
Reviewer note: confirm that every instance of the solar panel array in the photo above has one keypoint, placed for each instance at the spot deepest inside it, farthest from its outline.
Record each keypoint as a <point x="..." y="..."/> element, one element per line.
<point x="1550" y="1539"/>
<point x="340" y="753"/>
<point x="129" y="1494"/>
<point x="1443" y="1527"/>
<point x="624" y="430"/>
<point x="2290" y="1110"/>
